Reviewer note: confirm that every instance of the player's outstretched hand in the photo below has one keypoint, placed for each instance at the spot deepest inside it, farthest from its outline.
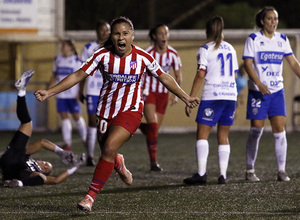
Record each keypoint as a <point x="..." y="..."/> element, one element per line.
<point x="41" y="95"/>
<point x="68" y="157"/>
<point x="80" y="161"/>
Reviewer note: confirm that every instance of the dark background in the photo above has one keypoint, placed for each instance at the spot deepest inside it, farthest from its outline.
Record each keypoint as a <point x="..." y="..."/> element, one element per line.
<point x="178" y="14"/>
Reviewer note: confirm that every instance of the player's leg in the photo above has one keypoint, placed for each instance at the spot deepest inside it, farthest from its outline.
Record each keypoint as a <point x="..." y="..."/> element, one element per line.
<point x="91" y="106"/>
<point x="277" y="116"/>
<point x="257" y="107"/>
<point x="22" y="110"/>
<point x="224" y="123"/>
<point x="91" y="138"/>
<point x="15" y="151"/>
<point x="117" y="136"/>
<point x="67" y="157"/>
<point x="223" y="152"/>
<point x="202" y="151"/>
<point x="66" y="129"/>
<point x="81" y="126"/>
<point x="152" y="135"/>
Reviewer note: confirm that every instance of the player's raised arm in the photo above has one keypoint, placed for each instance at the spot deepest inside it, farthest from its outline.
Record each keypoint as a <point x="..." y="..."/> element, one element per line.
<point x="66" y="83"/>
<point x="173" y="87"/>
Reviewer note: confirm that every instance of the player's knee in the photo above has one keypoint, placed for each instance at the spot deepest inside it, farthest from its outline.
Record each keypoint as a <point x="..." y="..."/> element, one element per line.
<point x="109" y="152"/>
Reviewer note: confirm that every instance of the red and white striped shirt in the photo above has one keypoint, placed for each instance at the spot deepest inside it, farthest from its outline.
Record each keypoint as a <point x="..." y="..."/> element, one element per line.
<point x="121" y="90"/>
<point x="169" y="59"/>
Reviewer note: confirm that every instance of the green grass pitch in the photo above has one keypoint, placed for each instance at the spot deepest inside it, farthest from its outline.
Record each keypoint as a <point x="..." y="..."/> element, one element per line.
<point x="163" y="195"/>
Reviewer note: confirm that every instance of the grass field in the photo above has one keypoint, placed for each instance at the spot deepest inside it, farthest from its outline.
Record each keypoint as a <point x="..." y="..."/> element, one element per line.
<point x="163" y="195"/>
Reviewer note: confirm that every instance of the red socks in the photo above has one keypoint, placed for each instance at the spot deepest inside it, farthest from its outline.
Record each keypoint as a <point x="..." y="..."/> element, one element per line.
<point x="151" y="134"/>
<point x="102" y="173"/>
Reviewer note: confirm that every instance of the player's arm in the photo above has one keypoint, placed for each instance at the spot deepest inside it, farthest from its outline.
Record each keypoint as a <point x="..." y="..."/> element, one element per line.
<point x="294" y="64"/>
<point x="198" y="81"/>
<point x="251" y="73"/>
<point x="81" y="96"/>
<point x="65" y="84"/>
<point x="169" y="82"/>
<point x="178" y="79"/>
<point x="64" y="175"/>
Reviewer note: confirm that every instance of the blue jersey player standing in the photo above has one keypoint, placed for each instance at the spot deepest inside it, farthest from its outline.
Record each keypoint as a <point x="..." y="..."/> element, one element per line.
<point x="217" y="67"/>
<point x="263" y="58"/>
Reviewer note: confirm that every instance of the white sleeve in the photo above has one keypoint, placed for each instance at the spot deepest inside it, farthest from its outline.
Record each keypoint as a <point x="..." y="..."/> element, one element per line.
<point x="249" y="49"/>
<point x="202" y="58"/>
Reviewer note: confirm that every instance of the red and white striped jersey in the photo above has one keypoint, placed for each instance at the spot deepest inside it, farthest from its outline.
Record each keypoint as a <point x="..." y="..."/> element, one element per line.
<point x="169" y="59"/>
<point x="121" y="90"/>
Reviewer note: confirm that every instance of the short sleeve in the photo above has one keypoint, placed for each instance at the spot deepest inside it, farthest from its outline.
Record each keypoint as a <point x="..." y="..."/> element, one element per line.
<point x="249" y="49"/>
<point x="202" y="58"/>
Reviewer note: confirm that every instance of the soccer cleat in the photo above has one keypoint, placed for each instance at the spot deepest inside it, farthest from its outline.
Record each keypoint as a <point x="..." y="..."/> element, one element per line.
<point x="123" y="172"/>
<point x="196" y="179"/>
<point x="90" y="162"/>
<point x="155" y="167"/>
<point x="23" y="80"/>
<point x="250" y="176"/>
<point x="85" y="204"/>
<point x="283" y="176"/>
<point x="221" y="180"/>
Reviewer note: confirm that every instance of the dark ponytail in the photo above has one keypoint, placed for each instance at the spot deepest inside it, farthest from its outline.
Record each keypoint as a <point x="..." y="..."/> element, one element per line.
<point x="214" y="30"/>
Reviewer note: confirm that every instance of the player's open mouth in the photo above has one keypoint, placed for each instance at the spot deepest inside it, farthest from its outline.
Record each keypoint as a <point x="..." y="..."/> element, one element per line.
<point x="121" y="46"/>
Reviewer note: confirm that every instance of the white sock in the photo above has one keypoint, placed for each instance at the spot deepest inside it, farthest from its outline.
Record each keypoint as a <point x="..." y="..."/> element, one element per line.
<point x="57" y="149"/>
<point x="202" y="154"/>
<point x="280" y="149"/>
<point x="224" y="152"/>
<point x="22" y="92"/>
<point x="81" y="128"/>
<point x="252" y="146"/>
<point x="91" y="140"/>
<point x="66" y="128"/>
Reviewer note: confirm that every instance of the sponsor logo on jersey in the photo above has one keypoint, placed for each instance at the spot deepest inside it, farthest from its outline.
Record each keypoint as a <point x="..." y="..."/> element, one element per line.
<point x="270" y="57"/>
<point x="275" y="83"/>
<point x="208" y="112"/>
<point x="264" y="68"/>
<point x="122" y="78"/>
<point x="273" y="73"/>
<point x="133" y="64"/>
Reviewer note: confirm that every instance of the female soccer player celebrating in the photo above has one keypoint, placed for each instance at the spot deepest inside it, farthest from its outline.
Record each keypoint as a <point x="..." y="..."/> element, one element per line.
<point x="120" y="103"/>
<point x="217" y="64"/>
<point x="156" y="95"/>
<point x="263" y="58"/>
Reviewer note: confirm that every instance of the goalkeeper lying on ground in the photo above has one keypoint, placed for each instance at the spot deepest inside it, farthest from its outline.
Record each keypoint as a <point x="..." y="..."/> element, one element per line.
<point x="18" y="168"/>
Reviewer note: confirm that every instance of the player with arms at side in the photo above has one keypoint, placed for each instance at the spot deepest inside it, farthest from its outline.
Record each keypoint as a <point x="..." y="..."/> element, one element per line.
<point x="156" y="95"/>
<point x="18" y="168"/>
<point x="217" y="67"/>
<point x="263" y="59"/>
<point x="67" y="102"/>
<point x="120" y="105"/>
<point x="93" y="87"/>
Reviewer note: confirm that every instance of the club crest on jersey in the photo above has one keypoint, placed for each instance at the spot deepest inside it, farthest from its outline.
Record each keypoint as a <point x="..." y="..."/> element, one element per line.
<point x="208" y="112"/>
<point x="262" y="43"/>
<point x="133" y="64"/>
<point x="279" y="44"/>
